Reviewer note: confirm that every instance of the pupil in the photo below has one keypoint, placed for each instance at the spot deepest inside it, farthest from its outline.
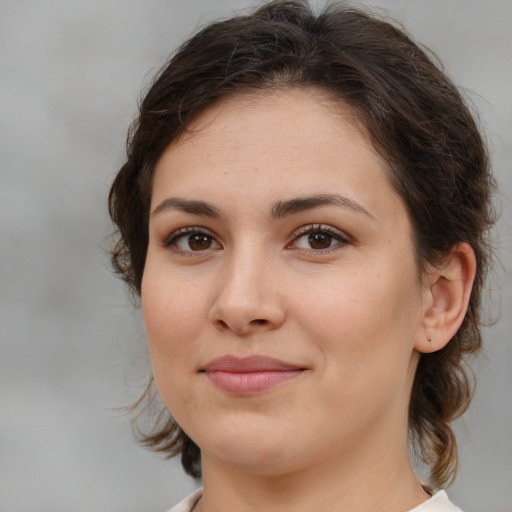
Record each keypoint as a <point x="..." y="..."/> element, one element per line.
<point x="319" y="240"/>
<point x="199" y="242"/>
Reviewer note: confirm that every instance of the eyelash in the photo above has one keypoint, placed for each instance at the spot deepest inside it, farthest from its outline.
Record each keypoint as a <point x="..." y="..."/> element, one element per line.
<point x="309" y="229"/>
<point x="172" y="240"/>
<point x="341" y="239"/>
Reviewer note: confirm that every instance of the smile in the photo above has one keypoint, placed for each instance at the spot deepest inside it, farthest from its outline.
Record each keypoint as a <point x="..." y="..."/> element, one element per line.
<point x="249" y="375"/>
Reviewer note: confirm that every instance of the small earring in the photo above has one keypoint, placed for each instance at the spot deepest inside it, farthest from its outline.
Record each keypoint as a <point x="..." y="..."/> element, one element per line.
<point x="429" y="339"/>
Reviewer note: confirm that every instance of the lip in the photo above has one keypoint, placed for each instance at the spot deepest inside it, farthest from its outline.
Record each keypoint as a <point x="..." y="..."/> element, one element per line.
<point x="249" y="375"/>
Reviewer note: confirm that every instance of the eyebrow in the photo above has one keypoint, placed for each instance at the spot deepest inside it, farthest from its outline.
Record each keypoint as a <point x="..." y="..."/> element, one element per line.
<point x="188" y="206"/>
<point x="279" y="210"/>
<point x="301" y="204"/>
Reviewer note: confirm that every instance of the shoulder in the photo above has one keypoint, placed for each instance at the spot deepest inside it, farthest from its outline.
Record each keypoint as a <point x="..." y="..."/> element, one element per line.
<point x="439" y="502"/>
<point x="188" y="503"/>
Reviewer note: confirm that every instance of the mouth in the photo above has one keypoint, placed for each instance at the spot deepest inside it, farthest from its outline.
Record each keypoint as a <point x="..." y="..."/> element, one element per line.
<point x="249" y="375"/>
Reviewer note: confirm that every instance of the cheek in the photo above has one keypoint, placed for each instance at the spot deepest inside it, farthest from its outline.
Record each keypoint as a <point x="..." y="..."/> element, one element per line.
<point x="172" y="302"/>
<point x="171" y="353"/>
<point x="366" y="319"/>
<point x="174" y="316"/>
<point x="365" y="332"/>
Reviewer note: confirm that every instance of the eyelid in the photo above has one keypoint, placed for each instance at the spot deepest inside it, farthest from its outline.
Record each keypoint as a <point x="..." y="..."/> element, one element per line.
<point x="308" y="228"/>
<point x="340" y="236"/>
<point x="169" y="240"/>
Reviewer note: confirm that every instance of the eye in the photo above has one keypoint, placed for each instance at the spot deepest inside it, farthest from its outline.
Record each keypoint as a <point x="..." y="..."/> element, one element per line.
<point x="191" y="240"/>
<point x="318" y="238"/>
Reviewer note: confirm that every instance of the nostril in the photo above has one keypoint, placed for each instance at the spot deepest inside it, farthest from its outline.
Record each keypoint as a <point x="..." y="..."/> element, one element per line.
<point x="259" y="321"/>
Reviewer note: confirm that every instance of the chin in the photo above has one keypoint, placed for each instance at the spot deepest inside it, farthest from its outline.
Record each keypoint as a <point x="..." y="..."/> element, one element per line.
<point x="252" y="450"/>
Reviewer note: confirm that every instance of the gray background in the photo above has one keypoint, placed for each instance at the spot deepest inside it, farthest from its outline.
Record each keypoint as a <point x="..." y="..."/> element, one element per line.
<point x="72" y="349"/>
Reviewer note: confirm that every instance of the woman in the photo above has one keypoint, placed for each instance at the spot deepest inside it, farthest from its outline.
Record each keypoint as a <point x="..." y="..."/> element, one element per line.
<point x="304" y="213"/>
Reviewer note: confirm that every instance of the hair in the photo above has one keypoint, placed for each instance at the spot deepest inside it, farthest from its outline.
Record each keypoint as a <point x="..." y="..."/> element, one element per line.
<point x="416" y="119"/>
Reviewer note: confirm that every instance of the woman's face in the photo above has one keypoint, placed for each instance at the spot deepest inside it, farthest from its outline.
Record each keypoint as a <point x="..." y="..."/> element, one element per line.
<point x="280" y="293"/>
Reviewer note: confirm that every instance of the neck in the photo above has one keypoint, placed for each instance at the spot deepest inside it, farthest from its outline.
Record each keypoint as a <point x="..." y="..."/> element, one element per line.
<point x="386" y="485"/>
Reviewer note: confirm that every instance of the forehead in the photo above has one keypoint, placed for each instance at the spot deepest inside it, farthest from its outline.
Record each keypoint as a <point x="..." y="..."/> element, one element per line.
<point x="283" y="133"/>
<point x="307" y="119"/>
<point x="305" y="105"/>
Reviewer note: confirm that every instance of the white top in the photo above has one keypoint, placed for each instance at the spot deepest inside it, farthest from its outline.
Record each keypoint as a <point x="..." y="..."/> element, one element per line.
<point x="439" y="502"/>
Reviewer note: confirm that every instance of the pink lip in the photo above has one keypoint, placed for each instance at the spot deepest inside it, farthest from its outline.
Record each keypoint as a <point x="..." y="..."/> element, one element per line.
<point x="249" y="375"/>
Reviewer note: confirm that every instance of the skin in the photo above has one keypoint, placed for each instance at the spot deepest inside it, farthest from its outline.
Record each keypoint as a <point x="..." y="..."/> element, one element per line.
<point x="353" y="313"/>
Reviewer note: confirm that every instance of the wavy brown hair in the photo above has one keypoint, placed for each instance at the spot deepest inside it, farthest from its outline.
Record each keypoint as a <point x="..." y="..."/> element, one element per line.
<point x="417" y="120"/>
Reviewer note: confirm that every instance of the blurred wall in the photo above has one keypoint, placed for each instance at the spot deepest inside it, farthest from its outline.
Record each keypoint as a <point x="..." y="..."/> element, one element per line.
<point x="72" y="348"/>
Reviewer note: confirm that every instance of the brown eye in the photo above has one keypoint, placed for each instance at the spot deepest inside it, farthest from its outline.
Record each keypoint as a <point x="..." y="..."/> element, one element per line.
<point x="199" y="242"/>
<point x="190" y="240"/>
<point x="319" y="240"/>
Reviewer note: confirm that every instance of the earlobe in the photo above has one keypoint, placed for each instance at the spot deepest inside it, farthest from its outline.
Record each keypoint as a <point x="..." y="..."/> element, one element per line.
<point x="449" y="290"/>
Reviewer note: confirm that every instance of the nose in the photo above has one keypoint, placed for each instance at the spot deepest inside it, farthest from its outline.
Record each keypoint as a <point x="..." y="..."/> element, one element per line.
<point x="248" y="298"/>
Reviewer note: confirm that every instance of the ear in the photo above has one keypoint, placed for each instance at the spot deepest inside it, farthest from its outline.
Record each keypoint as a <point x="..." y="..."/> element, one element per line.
<point x="447" y="294"/>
